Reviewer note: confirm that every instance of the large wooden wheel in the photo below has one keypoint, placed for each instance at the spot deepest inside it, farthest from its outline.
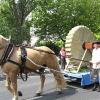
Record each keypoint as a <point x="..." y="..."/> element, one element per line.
<point x="74" y="41"/>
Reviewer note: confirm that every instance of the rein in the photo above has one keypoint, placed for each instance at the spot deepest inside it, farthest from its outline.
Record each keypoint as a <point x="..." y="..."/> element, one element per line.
<point x="55" y="54"/>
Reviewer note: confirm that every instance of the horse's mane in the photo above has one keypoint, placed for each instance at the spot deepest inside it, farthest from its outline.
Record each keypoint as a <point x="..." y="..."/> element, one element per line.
<point x="4" y="38"/>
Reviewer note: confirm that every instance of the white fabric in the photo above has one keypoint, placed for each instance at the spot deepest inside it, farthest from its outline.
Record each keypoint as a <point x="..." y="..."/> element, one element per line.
<point x="67" y="60"/>
<point x="96" y="58"/>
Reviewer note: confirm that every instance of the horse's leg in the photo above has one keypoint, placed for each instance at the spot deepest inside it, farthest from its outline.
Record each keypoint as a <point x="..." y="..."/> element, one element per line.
<point x="42" y="77"/>
<point x="8" y="82"/>
<point x="60" y="81"/>
<point x="13" y="78"/>
<point x="57" y="81"/>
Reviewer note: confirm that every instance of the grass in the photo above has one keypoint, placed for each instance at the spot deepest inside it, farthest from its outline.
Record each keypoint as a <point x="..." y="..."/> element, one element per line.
<point x="82" y="69"/>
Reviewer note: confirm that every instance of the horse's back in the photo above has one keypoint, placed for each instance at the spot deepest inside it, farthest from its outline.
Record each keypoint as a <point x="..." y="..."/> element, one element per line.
<point x="40" y="55"/>
<point x="36" y="56"/>
<point x="45" y="48"/>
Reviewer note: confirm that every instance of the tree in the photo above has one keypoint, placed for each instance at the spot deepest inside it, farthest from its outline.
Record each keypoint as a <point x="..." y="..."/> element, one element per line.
<point x="56" y="18"/>
<point x="14" y="20"/>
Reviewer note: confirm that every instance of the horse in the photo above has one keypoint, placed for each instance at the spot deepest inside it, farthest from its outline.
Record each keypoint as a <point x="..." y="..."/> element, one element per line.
<point x="41" y="58"/>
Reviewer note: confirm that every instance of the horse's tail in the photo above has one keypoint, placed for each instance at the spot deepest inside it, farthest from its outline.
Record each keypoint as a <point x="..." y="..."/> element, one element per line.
<point x="54" y="64"/>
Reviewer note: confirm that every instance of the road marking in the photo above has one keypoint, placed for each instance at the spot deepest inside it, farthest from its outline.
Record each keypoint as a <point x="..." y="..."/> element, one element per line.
<point x="35" y="98"/>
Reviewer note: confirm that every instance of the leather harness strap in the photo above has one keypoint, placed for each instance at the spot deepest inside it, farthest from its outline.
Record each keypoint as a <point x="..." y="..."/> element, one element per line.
<point x="6" y="58"/>
<point x="22" y="66"/>
<point x="23" y="59"/>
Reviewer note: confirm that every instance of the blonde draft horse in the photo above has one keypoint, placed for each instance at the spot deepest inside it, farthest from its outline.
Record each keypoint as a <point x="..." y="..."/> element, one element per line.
<point x="39" y="58"/>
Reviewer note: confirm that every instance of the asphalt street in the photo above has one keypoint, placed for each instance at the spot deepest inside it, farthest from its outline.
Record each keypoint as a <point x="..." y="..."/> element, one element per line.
<point x="73" y="91"/>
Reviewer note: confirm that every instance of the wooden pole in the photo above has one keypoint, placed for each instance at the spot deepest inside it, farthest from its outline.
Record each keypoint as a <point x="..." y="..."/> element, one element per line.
<point x="82" y="61"/>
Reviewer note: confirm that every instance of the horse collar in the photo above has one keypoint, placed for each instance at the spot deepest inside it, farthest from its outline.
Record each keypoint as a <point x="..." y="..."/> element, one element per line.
<point x="7" y="52"/>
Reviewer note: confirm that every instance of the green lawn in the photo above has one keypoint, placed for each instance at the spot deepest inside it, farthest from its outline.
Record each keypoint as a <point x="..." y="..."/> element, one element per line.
<point x="82" y="69"/>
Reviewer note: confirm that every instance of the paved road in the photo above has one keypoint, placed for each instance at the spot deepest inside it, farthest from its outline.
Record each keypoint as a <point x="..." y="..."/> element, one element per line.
<point x="73" y="91"/>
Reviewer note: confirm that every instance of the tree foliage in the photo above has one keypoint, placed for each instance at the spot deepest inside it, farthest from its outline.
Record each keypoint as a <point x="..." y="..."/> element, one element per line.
<point x="56" y="46"/>
<point x="54" y="18"/>
<point x="14" y="20"/>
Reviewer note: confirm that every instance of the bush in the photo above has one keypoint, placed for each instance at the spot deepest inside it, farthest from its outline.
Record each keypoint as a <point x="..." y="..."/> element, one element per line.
<point x="84" y="68"/>
<point x="56" y="47"/>
<point x="59" y="61"/>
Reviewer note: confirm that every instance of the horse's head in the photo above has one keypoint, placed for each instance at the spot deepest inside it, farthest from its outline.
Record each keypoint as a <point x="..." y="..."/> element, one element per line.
<point x="3" y="41"/>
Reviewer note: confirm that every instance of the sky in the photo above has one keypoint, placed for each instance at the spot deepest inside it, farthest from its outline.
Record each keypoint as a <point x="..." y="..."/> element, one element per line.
<point x="33" y="40"/>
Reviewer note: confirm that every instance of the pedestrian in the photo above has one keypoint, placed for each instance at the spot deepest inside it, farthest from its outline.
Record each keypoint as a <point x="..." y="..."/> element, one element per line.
<point x="63" y="56"/>
<point x="95" y="71"/>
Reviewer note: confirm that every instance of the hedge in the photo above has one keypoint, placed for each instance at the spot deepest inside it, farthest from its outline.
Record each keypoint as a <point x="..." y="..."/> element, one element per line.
<point x="56" y="46"/>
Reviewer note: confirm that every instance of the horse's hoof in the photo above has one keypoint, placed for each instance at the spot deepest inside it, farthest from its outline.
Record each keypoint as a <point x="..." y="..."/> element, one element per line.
<point x="59" y="92"/>
<point x="37" y="94"/>
<point x="19" y="93"/>
<point x="13" y="99"/>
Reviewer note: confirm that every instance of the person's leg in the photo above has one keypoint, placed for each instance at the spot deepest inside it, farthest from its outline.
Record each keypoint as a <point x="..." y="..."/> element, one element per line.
<point x="98" y="90"/>
<point x="93" y="75"/>
<point x="62" y="63"/>
<point x="67" y="63"/>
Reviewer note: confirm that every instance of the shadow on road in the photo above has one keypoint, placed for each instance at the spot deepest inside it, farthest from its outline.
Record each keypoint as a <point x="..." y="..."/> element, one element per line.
<point x="78" y="85"/>
<point x="67" y="92"/>
<point x="70" y="90"/>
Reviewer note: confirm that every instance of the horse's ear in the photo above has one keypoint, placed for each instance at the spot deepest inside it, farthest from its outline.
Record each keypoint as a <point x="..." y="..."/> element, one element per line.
<point x="9" y="38"/>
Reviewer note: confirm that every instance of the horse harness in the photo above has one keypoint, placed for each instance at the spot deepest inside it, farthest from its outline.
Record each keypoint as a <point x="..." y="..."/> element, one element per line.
<point x="7" y="52"/>
<point x="6" y="58"/>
